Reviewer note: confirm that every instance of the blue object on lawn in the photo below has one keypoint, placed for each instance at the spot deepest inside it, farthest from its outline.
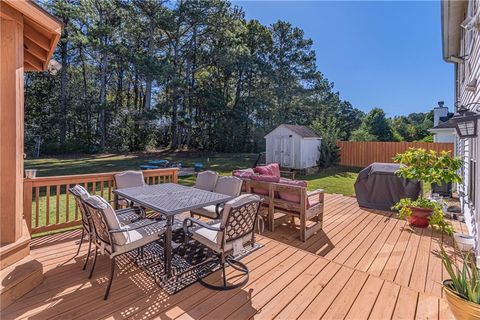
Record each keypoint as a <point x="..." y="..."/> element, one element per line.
<point x="198" y="167"/>
<point x="147" y="167"/>
<point x="161" y="163"/>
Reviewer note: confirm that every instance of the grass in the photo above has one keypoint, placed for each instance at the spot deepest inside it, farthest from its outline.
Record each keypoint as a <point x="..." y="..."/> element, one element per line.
<point x="332" y="180"/>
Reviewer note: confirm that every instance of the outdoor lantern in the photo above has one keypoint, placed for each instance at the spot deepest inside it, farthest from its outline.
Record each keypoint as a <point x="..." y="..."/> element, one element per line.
<point x="466" y="121"/>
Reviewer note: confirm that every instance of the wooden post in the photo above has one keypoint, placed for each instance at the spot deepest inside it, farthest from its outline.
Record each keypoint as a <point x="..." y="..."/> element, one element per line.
<point x="27" y="203"/>
<point x="11" y="125"/>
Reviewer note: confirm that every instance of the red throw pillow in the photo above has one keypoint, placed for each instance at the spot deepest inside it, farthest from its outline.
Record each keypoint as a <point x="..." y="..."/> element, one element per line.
<point x="292" y="197"/>
<point x="244" y="173"/>
<point x="264" y="170"/>
<point x="275" y="169"/>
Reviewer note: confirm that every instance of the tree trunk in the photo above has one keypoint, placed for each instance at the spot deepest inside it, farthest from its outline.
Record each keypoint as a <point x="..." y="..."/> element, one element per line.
<point x="63" y="90"/>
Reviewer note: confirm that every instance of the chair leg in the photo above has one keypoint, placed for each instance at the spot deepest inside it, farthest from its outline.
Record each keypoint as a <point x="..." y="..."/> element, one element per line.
<point x="80" y="244"/>
<point x="223" y="270"/>
<point x="88" y="253"/>
<point x="94" y="263"/>
<point x="109" y="285"/>
<point x="237" y="265"/>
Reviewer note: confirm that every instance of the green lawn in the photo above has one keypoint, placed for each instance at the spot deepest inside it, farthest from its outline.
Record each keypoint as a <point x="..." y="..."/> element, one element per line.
<point x="332" y="180"/>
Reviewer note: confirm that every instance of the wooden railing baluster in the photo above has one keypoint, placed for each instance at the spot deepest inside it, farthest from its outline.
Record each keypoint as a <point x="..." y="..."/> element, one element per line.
<point x="61" y="217"/>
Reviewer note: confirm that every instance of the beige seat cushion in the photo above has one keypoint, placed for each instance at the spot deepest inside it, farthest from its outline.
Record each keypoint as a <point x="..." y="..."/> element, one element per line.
<point x="230" y="186"/>
<point x="129" y="179"/>
<point x="81" y="191"/>
<point x="110" y="216"/>
<point x="213" y="239"/>
<point x="208" y="212"/>
<point x="206" y="180"/>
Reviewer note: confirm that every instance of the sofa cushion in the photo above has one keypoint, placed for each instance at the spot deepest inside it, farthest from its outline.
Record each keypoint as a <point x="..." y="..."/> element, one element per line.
<point x="244" y="173"/>
<point x="264" y="178"/>
<point x="272" y="169"/>
<point x="292" y="197"/>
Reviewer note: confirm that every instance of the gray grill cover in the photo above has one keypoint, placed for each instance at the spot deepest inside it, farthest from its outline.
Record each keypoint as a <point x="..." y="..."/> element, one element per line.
<point x="377" y="186"/>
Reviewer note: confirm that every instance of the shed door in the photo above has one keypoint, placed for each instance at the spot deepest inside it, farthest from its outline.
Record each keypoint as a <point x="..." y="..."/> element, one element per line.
<point x="287" y="151"/>
<point x="277" y="149"/>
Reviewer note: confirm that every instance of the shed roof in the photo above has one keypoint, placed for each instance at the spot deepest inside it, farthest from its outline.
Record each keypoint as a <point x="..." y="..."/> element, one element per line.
<point x="302" y="131"/>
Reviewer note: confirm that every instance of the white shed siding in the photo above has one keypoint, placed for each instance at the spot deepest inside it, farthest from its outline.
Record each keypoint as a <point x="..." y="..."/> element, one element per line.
<point x="309" y="156"/>
<point x="466" y="73"/>
<point x="303" y="151"/>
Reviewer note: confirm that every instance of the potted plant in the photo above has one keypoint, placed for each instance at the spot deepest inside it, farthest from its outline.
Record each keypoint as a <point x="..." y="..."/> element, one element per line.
<point x="427" y="167"/>
<point x="462" y="290"/>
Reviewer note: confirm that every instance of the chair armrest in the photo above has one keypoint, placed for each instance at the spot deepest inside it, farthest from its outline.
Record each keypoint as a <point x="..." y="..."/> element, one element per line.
<point x="134" y="228"/>
<point x="315" y="192"/>
<point x="200" y="223"/>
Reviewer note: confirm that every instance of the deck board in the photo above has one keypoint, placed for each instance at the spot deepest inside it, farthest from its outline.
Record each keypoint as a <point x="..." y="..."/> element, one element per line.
<point x="363" y="264"/>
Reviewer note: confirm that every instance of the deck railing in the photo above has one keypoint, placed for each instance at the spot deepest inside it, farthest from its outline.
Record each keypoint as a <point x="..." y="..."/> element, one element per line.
<point x="48" y="204"/>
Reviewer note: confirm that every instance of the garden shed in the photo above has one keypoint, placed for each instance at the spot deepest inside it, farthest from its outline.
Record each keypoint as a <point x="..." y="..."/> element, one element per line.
<point x="293" y="147"/>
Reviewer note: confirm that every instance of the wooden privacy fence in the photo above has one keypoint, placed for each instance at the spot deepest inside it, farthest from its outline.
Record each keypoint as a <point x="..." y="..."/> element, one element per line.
<point x="48" y="204"/>
<point x="361" y="154"/>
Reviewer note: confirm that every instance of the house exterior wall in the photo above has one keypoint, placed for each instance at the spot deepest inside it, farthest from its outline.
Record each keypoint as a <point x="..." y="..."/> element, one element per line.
<point x="444" y="136"/>
<point x="469" y="149"/>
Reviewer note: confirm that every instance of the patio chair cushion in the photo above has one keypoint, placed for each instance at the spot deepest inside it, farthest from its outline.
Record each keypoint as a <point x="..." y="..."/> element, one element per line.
<point x="230" y="186"/>
<point x="206" y="180"/>
<point x="129" y="179"/>
<point x="81" y="192"/>
<point x="111" y="218"/>
<point x="208" y="211"/>
<point x="142" y="236"/>
<point x="212" y="239"/>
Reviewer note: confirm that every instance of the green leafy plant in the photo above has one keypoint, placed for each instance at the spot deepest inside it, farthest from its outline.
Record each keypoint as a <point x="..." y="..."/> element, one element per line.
<point x="427" y="167"/>
<point x="465" y="281"/>
<point x="436" y="220"/>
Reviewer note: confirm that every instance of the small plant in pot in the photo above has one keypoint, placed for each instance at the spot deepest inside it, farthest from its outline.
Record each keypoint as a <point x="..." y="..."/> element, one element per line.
<point x="427" y="167"/>
<point x="462" y="290"/>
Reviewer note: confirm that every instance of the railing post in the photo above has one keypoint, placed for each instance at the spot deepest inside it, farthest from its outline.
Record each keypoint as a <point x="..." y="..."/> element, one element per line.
<point x="27" y="202"/>
<point x="175" y="175"/>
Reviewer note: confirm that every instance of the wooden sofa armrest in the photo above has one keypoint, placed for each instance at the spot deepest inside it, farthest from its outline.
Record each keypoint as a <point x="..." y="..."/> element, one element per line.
<point x="288" y="174"/>
<point x="315" y="192"/>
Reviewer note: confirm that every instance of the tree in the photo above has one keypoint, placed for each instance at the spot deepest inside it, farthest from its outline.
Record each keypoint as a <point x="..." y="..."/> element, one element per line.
<point x="376" y="124"/>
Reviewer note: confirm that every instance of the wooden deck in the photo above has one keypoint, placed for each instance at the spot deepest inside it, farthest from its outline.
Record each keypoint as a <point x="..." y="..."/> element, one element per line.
<point x="364" y="264"/>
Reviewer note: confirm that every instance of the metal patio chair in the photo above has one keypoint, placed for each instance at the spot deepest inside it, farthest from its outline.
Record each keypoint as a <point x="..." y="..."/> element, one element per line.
<point x="230" y="186"/>
<point x="206" y="180"/>
<point x="125" y="216"/>
<point x="234" y="230"/>
<point x="127" y="179"/>
<point x="115" y="239"/>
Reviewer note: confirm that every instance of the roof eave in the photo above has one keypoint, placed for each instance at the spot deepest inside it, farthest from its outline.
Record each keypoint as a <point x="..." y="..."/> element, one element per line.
<point x="452" y="16"/>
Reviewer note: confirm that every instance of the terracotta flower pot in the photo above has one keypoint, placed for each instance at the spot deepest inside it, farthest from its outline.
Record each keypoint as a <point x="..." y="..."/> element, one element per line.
<point x="419" y="217"/>
<point x="461" y="308"/>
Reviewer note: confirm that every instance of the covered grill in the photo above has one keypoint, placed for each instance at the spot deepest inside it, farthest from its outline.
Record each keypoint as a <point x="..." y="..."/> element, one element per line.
<point x="377" y="186"/>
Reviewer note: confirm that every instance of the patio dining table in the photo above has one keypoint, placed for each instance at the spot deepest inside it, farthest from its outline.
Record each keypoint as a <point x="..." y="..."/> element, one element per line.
<point x="170" y="199"/>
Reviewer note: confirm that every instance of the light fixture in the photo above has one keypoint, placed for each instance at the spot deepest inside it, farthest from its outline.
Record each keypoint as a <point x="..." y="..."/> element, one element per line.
<point x="466" y="121"/>
<point x="53" y="67"/>
<point x="471" y="86"/>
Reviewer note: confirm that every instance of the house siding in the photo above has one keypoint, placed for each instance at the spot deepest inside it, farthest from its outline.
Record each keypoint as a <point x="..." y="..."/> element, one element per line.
<point x="469" y="148"/>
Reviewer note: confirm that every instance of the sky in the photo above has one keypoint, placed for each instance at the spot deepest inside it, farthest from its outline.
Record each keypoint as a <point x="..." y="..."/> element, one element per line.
<point x="384" y="54"/>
